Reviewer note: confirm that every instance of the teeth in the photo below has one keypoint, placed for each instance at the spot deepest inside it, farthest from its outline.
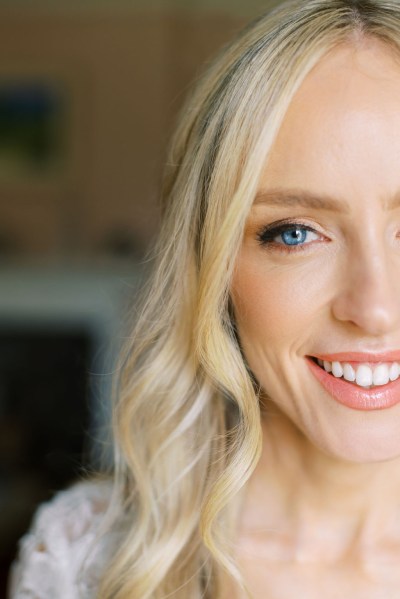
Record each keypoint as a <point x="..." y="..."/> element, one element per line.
<point x="348" y="373"/>
<point x="363" y="375"/>
<point x="394" y="371"/>
<point x="381" y="375"/>
<point x="327" y="366"/>
<point x="337" y="369"/>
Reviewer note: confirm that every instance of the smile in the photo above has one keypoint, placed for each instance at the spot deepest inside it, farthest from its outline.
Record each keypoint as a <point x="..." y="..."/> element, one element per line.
<point x="366" y="375"/>
<point x="359" y="381"/>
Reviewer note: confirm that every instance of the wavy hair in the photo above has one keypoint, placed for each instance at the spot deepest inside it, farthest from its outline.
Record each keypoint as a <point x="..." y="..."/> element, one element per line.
<point x="186" y="415"/>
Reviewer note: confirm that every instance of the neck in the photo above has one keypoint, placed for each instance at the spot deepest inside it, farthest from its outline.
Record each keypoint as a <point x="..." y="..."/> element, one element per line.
<point x="327" y="507"/>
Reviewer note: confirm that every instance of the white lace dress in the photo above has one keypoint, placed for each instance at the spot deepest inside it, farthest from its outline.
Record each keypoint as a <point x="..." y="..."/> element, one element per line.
<point x="64" y="537"/>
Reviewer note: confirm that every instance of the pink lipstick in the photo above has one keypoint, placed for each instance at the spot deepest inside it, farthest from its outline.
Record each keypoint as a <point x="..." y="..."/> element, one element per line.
<point x="364" y="357"/>
<point x="351" y="395"/>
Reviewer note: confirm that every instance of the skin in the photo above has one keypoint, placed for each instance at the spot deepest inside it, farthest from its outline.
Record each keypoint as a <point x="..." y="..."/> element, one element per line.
<point x="321" y="515"/>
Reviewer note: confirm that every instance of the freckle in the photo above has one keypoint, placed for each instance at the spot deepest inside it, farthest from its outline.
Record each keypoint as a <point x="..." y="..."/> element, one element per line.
<point x="41" y="548"/>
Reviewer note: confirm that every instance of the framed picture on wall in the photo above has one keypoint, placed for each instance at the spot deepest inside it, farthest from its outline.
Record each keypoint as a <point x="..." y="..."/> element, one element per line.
<point x="45" y="155"/>
<point x="45" y="120"/>
<point x="34" y="114"/>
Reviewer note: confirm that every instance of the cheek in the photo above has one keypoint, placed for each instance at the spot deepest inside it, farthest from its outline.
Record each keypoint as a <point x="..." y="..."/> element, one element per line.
<point x="278" y="309"/>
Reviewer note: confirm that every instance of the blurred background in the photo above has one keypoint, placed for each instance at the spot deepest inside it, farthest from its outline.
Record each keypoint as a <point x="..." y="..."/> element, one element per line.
<point x="89" y="93"/>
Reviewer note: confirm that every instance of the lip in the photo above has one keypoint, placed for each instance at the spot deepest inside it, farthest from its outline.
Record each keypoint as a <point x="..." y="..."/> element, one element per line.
<point x="352" y="396"/>
<point x="365" y="357"/>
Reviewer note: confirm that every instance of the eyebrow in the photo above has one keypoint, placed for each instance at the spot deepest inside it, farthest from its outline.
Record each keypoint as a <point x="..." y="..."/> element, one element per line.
<point x="307" y="199"/>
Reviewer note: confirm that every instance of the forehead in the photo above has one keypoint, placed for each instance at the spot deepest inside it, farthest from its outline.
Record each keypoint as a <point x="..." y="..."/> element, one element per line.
<point x="341" y="132"/>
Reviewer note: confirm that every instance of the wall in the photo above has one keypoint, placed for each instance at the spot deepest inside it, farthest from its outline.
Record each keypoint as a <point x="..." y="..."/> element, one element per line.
<point x="127" y="73"/>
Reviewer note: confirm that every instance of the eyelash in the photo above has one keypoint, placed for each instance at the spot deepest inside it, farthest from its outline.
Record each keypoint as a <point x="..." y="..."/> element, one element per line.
<point x="268" y="233"/>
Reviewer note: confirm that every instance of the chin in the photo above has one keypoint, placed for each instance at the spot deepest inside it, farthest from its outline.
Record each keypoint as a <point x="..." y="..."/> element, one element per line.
<point x="338" y="432"/>
<point x="367" y="444"/>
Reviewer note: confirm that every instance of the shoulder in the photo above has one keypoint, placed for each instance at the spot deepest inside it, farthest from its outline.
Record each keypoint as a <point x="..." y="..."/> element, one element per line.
<point x="64" y="541"/>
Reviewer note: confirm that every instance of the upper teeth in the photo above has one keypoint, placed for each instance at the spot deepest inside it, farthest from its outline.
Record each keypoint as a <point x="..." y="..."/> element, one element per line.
<point x="365" y="375"/>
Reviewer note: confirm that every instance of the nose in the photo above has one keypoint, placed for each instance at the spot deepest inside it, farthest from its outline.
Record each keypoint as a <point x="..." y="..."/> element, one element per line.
<point x="369" y="296"/>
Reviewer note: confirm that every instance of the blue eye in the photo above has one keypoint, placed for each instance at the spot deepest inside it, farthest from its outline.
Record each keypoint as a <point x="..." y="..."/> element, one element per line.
<point x="287" y="235"/>
<point x="293" y="236"/>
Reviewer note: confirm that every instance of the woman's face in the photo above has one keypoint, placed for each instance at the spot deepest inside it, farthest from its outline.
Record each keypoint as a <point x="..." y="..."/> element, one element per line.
<point x="318" y="274"/>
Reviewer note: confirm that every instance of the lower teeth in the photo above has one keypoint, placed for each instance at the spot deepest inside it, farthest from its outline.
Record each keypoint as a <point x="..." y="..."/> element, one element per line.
<point x="356" y="384"/>
<point x="361" y="386"/>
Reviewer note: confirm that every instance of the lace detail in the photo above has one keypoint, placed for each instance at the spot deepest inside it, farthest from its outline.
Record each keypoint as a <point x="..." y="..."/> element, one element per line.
<point x="62" y="555"/>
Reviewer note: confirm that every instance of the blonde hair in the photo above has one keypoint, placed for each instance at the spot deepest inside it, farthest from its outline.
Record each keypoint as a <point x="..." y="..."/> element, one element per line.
<point x="186" y="417"/>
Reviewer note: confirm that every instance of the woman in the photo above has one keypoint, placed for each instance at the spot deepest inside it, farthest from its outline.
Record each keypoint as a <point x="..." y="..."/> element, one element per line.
<point x="257" y="416"/>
